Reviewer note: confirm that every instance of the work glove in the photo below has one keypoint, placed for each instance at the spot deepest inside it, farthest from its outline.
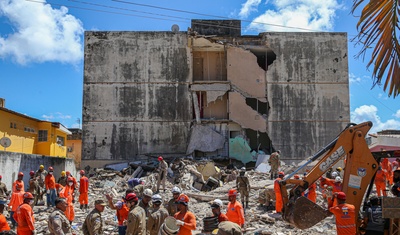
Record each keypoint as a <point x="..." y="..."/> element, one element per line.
<point x="180" y="222"/>
<point x="48" y="191"/>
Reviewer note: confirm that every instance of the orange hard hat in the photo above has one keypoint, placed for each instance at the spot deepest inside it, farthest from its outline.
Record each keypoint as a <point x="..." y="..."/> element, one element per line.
<point x="232" y="192"/>
<point x="28" y="195"/>
<point x="160" y="158"/>
<point x="20" y="174"/>
<point x="82" y="172"/>
<point x="32" y="173"/>
<point x="183" y="199"/>
<point x="296" y="177"/>
<point x="67" y="172"/>
<point x="51" y="168"/>
<point x="281" y="173"/>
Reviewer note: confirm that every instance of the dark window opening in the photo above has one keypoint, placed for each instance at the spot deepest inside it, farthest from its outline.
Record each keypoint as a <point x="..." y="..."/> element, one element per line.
<point x="261" y="107"/>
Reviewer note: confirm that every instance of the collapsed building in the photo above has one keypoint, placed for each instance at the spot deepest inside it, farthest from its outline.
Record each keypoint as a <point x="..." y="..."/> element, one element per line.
<point x="212" y="92"/>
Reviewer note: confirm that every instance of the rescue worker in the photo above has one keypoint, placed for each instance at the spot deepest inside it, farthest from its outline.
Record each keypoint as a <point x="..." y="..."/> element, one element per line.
<point x="275" y="163"/>
<point x="4" y="227"/>
<point x="373" y="220"/>
<point x="172" y="207"/>
<point x="58" y="223"/>
<point x="267" y="196"/>
<point x="380" y="182"/>
<point x="68" y="174"/>
<point x="387" y="168"/>
<point x="243" y="185"/>
<point x="20" y="181"/>
<point x="145" y="203"/>
<point x="4" y="193"/>
<point x="312" y="192"/>
<point x="41" y="176"/>
<point x="34" y="187"/>
<point x="162" y="173"/>
<point x="234" y="211"/>
<point x="51" y="191"/>
<point x="93" y="224"/>
<point x="344" y="213"/>
<point x="122" y="211"/>
<point x="68" y="193"/>
<point x="63" y="179"/>
<point x="24" y="216"/>
<point x="136" y="224"/>
<point x="278" y="195"/>
<point x="17" y="198"/>
<point x="229" y="228"/>
<point x="185" y="219"/>
<point x="83" y="191"/>
<point x="157" y="215"/>
<point x="216" y="207"/>
<point x="134" y="181"/>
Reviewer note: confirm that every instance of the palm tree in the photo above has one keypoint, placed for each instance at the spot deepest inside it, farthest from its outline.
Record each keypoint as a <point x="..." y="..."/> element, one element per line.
<point x="378" y="28"/>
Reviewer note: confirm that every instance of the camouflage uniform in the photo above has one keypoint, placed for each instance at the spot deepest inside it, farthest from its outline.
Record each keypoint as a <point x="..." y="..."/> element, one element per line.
<point x="136" y="221"/>
<point x="34" y="188"/>
<point x="3" y="191"/>
<point x="93" y="224"/>
<point x="155" y="220"/>
<point x="172" y="207"/>
<point x="275" y="163"/>
<point x="58" y="223"/>
<point x="41" y="175"/>
<point x="243" y="186"/>
<point x="267" y="195"/>
<point x="229" y="228"/>
<point x="162" y="174"/>
<point x="62" y="180"/>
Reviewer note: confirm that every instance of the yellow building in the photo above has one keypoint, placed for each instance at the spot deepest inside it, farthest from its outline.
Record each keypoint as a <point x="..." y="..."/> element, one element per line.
<point x="74" y="145"/>
<point x="32" y="136"/>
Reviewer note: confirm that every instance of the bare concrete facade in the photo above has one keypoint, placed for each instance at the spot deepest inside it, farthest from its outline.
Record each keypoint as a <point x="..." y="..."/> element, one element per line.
<point x="151" y="93"/>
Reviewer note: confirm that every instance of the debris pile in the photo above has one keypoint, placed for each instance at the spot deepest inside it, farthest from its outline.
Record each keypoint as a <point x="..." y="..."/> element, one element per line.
<point x="202" y="181"/>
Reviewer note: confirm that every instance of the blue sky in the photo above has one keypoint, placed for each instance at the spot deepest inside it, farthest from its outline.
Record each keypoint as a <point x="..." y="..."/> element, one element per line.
<point x="41" y="46"/>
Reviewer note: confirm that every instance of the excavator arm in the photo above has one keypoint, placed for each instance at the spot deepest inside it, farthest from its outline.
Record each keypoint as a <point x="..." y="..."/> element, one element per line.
<point x="360" y="167"/>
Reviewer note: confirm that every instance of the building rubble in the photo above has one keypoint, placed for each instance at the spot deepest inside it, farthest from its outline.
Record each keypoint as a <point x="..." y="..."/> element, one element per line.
<point x="202" y="182"/>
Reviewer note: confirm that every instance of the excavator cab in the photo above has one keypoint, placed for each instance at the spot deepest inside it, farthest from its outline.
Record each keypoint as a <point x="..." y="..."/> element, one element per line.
<point x="359" y="169"/>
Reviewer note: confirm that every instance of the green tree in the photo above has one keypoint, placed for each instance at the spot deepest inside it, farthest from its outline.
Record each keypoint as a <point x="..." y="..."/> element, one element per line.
<point x="378" y="28"/>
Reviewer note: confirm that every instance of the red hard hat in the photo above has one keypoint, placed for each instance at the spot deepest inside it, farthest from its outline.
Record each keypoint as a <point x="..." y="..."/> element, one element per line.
<point x="160" y="158"/>
<point x="341" y="195"/>
<point x="51" y="168"/>
<point x="67" y="172"/>
<point x="28" y="195"/>
<point x="1" y="177"/>
<point x="32" y="173"/>
<point x="281" y="173"/>
<point x="20" y="174"/>
<point x="131" y="197"/>
<point x="232" y="192"/>
<point x="296" y="177"/>
<point x="69" y="179"/>
<point x="82" y="172"/>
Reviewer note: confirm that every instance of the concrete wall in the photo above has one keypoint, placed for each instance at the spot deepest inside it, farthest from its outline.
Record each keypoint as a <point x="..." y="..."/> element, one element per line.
<point x="12" y="163"/>
<point x="308" y="91"/>
<point x="136" y="95"/>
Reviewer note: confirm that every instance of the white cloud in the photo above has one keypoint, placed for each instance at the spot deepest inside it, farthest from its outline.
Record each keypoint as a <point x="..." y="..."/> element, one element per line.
<point x="40" y="33"/>
<point x="248" y="7"/>
<point x="309" y="14"/>
<point x="57" y="117"/>
<point x="353" y="78"/>
<point x="397" y="114"/>
<point x="370" y="113"/>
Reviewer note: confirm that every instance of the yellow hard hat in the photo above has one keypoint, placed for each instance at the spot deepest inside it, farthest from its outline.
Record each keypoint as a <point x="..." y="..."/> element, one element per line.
<point x="62" y="173"/>
<point x="41" y="167"/>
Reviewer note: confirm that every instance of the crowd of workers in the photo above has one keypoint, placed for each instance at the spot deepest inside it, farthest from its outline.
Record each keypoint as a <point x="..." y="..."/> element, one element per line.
<point x="145" y="214"/>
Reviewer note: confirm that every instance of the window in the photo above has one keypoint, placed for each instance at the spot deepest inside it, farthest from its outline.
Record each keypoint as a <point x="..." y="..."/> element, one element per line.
<point x="60" y="140"/>
<point x="11" y="125"/>
<point x="42" y="136"/>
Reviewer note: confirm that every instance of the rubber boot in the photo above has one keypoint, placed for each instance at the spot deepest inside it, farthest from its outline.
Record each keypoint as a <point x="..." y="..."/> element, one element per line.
<point x="81" y="207"/>
<point x="86" y="207"/>
<point x="247" y="204"/>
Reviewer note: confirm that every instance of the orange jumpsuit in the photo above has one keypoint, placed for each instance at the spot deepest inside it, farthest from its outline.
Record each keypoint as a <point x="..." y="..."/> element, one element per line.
<point x="387" y="168"/>
<point x="50" y="182"/>
<point x="312" y="194"/>
<point x="19" y="182"/>
<point x="122" y="212"/>
<point x="83" y="190"/>
<point x="235" y="213"/>
<point x="278" y="196"/>
<point x="67" y="193"/>
<point x="3" y="224"/>
<point x="25" y="220"/>
<point x="345" y="218"/>
<point x="190" y="222"/>
<point x="380" y="183"/>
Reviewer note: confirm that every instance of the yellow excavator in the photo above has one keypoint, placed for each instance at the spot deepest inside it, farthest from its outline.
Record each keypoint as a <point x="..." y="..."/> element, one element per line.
<point x="359" y="170"/>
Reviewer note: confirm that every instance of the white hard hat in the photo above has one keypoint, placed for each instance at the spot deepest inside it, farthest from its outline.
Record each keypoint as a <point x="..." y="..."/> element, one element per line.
<point x="218" y="202"/>
<point x="243" y="169"/>
<point x="156" y="198"/>
<point x="338" y="179"/>
<point x="148" y="192"/>
<point x="176" y="190"/>
<point x="334" y="174"/>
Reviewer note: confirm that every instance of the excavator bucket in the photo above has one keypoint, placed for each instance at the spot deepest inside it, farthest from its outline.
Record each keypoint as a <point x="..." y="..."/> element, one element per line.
<point x="304" y="213"/>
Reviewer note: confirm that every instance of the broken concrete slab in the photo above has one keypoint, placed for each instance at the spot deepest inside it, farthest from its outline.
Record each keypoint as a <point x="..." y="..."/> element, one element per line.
<point x="204" y="139"/>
